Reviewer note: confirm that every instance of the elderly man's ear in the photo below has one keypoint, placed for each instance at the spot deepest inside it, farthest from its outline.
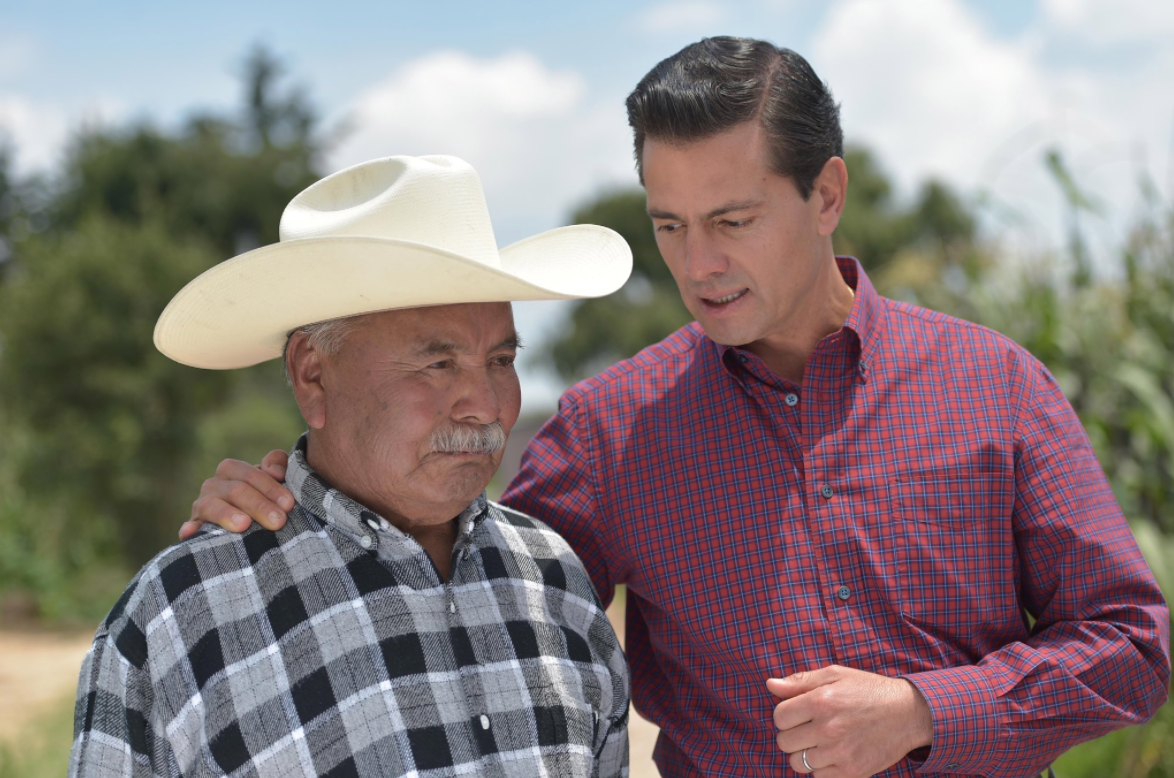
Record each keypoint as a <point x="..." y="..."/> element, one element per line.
<point x="305" y="373"/>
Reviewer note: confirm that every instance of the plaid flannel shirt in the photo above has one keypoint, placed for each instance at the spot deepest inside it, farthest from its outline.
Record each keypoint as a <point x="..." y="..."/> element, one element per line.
<point x="333" y="648"/>
<point x="897" y="513"/>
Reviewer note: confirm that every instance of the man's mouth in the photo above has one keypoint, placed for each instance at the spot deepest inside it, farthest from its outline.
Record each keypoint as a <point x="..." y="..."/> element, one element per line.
<point x="724" y="299"/>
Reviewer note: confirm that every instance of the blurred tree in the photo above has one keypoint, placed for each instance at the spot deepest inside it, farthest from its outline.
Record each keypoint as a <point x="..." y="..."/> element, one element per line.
<point x="875" y="228"/>
<point x="223" y="180"/>
<point x="112" y="419"/>
<point x="105" y="441"/>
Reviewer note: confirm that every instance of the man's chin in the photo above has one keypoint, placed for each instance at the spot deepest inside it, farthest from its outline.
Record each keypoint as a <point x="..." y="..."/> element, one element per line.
<point x="725" y="333"/>
<point x="464" y="473"/>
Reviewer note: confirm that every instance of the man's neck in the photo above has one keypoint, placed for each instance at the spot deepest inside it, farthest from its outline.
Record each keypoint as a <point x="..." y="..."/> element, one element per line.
<point x="822" y="312"/>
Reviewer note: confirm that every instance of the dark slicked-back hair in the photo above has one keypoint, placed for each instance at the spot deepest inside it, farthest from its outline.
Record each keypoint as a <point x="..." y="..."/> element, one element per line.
<point x="715" y="84"/>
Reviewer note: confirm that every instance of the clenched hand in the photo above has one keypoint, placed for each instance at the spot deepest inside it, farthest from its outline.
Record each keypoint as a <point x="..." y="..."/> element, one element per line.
<point x="850" y="723"/>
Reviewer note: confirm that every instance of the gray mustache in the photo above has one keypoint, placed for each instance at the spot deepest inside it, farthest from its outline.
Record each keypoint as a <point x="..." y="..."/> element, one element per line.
<point x="469" y="439"/>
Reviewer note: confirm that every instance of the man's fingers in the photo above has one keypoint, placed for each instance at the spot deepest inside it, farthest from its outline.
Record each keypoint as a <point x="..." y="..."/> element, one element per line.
<point x="795" y="739"/>
<point x="190" y="528"/>
<point x="244" y="479"/>
<point x="792" y="713"/>
<point x="802" y="682"/>
<point x="814" y="761"/>
<point x="230" y="504"/>
<point x="274" y="465"/>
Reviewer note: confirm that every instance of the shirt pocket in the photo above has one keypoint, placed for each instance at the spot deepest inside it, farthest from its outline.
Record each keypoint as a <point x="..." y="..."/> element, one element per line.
<point x="956" y="554"/>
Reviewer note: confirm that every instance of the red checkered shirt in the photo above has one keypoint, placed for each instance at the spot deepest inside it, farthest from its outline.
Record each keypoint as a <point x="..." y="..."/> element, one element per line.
<point x="899" y="513"/>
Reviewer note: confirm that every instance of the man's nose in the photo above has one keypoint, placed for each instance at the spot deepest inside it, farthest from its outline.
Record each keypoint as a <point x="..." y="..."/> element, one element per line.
<point x="477" y="401"/>
<point x="703" y="257"/>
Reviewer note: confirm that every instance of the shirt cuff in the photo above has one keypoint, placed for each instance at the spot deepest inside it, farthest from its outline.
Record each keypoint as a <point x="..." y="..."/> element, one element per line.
<point x="966" y="727"/>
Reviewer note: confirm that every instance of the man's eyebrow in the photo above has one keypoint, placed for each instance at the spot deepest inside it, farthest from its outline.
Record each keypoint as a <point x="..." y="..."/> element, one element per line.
<point x="512" y="343"/>
<point x="655" y="213"/>
<point x="741" y="205"/>
<point x="439" y="346"/>
<point x="432" y="347"/>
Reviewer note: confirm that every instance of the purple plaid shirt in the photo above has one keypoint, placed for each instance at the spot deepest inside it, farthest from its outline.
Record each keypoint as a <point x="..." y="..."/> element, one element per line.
<point x="899" y="513"/>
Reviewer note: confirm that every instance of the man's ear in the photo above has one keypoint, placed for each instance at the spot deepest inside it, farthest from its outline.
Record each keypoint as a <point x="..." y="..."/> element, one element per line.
<point x="305" y="374"/>
<point x="831" y="189"/>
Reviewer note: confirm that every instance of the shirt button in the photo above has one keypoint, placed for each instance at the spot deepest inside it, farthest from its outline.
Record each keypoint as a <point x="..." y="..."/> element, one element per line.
<point x="827" y="491"/>
<point x="791" y="399"/>
<point x="484" y="721"/>
<point x="452" y="606"/>
<point x="365" y="541"/>
<point x="373" y="524"/>
<point x="951" y="765"/>
<point x="843" y="592"/>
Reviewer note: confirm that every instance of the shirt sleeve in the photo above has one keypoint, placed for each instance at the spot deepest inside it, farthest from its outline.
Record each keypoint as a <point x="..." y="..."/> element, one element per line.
<point x="1098" y="657"/>
<point x="557" y="484"/>
<point x="112" y="730"/>
<point x="612" y="760"/>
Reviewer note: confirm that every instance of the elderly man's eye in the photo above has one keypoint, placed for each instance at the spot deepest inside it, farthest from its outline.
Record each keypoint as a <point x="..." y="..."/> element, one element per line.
<point x="441" y="365"/>
<point x="506" y="360"/>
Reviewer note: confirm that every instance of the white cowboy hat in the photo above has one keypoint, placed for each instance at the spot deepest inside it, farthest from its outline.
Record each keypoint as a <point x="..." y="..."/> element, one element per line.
<point x="397" y="232"/>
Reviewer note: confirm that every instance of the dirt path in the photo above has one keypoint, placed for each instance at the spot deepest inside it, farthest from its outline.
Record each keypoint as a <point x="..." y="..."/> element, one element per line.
<point x="38" y="670"/>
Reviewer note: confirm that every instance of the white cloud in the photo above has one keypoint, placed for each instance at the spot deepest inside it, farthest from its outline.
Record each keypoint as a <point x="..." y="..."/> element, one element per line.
<point x="922" y="82"/>
<point x="931" y="89"/>
<point x="680" y="16"/>
<point x="1122" y="21"/>
<point x="36" y="132"/>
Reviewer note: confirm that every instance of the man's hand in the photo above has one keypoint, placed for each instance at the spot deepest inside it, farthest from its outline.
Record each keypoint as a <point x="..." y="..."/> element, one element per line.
<point x="241" y="490"/>
<point x="850" y="723"/>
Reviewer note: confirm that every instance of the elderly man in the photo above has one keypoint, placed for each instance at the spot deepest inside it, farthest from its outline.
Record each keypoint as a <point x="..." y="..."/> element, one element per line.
<point x="858" y="536"/>
<point x="398" y="624"/>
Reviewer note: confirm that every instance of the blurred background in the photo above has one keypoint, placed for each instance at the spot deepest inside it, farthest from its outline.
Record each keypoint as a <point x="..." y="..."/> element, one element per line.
<point x="1011" y="162"/>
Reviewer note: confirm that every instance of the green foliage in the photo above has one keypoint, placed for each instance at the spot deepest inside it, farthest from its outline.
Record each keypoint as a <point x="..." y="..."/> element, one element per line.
<point x="222" y="182"/>
<point x="83" y="378"/>
<point x="875" y="228"/>
<point x="103" y="441"/>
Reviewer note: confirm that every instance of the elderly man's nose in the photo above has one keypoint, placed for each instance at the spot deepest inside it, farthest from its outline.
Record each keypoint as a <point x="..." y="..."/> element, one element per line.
<point x="478" y="400"/>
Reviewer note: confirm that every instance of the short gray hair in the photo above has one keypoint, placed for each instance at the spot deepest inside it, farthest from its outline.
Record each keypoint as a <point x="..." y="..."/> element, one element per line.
<point x="326" y="337"/>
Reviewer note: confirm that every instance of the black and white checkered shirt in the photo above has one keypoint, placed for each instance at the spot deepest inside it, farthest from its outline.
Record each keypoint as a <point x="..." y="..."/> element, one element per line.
<point x="333" y="648"/>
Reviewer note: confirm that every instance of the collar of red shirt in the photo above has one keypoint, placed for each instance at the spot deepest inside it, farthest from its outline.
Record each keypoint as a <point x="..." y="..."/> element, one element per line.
<point x="864" y="325"/>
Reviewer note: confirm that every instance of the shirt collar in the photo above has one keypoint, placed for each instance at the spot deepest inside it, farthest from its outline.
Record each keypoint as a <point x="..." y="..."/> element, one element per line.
<point x="865" y="320"/>
<point x="330" y="506"/>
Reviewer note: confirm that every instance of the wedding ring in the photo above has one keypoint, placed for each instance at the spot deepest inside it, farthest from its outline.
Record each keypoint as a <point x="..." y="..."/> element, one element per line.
<point x="809" y="768"/>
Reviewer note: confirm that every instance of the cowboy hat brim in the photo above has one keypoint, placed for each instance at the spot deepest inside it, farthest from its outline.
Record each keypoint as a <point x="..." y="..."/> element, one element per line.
<point x="240" y="312"/>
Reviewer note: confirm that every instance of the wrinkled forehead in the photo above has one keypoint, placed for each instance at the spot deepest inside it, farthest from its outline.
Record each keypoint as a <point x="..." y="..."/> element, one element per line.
<point x="465" y="326"/>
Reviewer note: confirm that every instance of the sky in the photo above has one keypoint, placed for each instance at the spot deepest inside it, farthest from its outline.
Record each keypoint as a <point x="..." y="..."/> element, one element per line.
<point x="972" y="93"/>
